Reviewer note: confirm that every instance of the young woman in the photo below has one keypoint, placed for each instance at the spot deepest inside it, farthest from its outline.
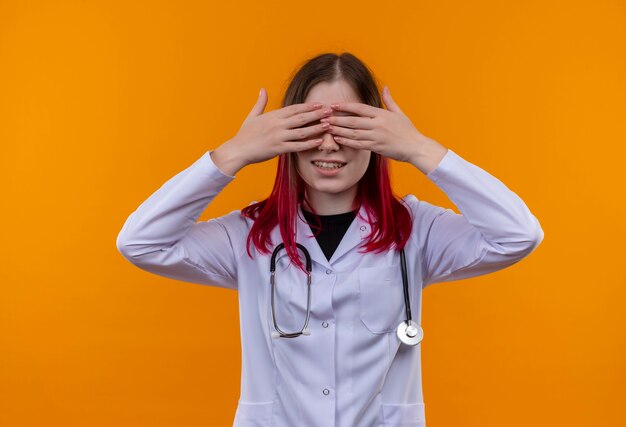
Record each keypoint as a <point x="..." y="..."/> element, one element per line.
<point x="339" y="345"/>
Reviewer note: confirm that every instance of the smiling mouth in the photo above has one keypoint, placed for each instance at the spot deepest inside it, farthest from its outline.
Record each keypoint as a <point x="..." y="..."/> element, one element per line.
<point x="329" y="165"/>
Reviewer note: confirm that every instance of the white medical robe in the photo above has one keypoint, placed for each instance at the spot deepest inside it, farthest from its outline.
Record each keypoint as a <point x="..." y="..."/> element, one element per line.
<point x="352" y="371"/>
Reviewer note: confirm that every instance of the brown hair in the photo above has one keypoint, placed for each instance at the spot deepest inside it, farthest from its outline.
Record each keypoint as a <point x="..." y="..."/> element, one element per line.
<point x="391" y="220"/>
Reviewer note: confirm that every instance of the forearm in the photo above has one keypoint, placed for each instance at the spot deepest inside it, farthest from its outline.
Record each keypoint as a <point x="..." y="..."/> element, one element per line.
<point x="494" y="230"/>
<point x="428" y="154"/>
<point x="171" y="210"/>
<point x="487" y="203"/>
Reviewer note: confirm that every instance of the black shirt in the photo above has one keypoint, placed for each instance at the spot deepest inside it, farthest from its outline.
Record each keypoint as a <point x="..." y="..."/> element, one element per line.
<point x="333" y="229"/>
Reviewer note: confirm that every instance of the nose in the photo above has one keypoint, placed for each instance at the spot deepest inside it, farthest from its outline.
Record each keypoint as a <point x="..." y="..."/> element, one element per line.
<point x="328" y="143"/>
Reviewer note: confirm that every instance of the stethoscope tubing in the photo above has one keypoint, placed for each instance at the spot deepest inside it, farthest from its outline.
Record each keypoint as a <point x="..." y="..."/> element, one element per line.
<point x="409" y="332"/>
<point x="303" y="331"/>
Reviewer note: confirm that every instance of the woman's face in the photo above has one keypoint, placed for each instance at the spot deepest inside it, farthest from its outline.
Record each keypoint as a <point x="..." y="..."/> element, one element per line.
<point x="324" y="183"/>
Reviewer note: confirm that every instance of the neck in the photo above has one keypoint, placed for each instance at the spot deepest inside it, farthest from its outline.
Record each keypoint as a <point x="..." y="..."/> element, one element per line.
<point x="330" y="203"/>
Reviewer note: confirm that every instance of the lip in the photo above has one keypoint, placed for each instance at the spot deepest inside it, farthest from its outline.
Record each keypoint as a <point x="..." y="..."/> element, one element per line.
<point x="331" y="172"/>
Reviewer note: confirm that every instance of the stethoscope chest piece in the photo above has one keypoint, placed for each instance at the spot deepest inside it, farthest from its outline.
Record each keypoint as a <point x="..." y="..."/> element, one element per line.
<point x="411" y="334"/>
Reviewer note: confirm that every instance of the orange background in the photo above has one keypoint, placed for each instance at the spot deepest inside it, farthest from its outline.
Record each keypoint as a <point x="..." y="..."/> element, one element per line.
<point x="102" y="102"/>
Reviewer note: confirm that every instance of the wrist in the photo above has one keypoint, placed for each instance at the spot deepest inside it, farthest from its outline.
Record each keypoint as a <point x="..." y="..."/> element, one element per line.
<point x="227" y="159"/>
<point x="428" y="154"/>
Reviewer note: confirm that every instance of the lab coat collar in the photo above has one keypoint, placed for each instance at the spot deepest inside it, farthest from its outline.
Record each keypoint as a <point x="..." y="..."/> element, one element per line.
<point x="357" y="232"/>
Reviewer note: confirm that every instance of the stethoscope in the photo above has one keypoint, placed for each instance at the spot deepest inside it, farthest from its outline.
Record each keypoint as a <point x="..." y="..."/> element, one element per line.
<point x="408" y="331"/>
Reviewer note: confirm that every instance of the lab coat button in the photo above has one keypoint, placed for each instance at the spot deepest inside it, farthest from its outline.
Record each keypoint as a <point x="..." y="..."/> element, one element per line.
<point x="325" y="324"/>
<point x="363" y="228"/>
<point x="329" y="271"/>
<point x="326" y="392"/>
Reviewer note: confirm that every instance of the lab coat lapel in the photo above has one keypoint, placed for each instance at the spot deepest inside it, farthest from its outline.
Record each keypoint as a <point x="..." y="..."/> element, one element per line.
<point x="304" y="236"/>
<point x="357" y="232"/>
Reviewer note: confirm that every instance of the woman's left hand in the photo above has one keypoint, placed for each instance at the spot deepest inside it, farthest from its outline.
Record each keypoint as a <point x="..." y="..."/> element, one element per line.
<point x="388" y="132"/>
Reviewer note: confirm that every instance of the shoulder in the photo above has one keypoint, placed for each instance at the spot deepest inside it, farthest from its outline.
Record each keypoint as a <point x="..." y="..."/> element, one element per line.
<point x="424" y="214"/>
<point x="234" y="222"/>
<point x="421" y="208"/>
<point x="233" y="226"/>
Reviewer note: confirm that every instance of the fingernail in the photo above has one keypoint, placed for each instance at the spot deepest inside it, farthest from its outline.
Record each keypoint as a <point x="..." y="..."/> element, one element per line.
<point x="334" y="105"/>
<point x="317" y="105"/>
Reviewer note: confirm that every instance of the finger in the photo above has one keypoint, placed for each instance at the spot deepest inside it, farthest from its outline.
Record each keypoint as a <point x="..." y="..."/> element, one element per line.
<point x="362" y="134"/>
<point x="364" y="110"/>
<point x="353" y="143"/>
<point x="306" y="132"/>
<point x="260" y="104"/>
<point x="389" y="102"/>
<point x="353" y="122"/>
<point x="290" y="110"/>
<point x="294" y="146"/>
<point x="302" y="119"/>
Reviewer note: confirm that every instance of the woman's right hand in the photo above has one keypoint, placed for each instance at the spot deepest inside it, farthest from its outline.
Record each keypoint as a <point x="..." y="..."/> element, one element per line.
<point x="263" y="136"/>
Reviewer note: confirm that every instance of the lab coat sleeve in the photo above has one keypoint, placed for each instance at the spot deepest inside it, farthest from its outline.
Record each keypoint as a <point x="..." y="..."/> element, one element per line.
<point x="494" y="230"/>
<point x="162" y="235"/>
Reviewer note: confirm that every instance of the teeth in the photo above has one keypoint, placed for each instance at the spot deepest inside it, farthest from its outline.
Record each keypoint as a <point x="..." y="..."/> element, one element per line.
<point x="326" y="165"/>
